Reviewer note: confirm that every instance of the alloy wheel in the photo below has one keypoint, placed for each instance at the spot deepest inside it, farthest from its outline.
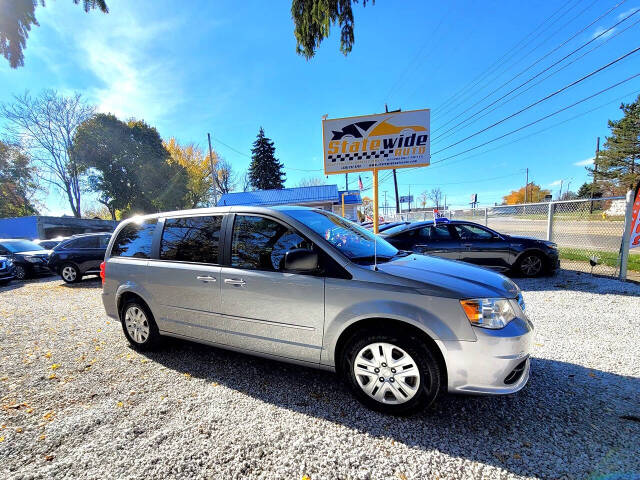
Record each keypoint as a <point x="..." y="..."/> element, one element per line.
<point x="137" y="324"/>
<point x="386" y="373"/>
<point x="20" y="272"/>
<point x="531" y="265"/>
<point x="69" y="273"/>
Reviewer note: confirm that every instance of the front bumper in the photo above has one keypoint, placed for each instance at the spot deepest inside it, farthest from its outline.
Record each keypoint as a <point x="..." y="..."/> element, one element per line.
<point x="497" y="363"/>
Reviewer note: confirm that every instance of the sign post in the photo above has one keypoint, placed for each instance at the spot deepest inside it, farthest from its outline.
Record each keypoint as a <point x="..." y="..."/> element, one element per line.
<point x="371" y="143"/>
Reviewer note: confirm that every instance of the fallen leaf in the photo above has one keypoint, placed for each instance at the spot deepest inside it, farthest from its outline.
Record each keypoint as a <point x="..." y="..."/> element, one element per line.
<point x="19" y="430"/>
<point x="215" y="384"/>
<point x="48" y="458"/>
<point x="42" y="437"/>
<point x="47" y="355"/>
<point x="120" y="404"/>
<point x="306" y="477"/>
<point x="52" y="376"/>
<point x="188" y="375"/>
<point x="1" y="439"/>
<point x="517" y="456"/>
<point x="49" y="415"/>
<point x="55" y="366"/>
<point x="592" y="375"/>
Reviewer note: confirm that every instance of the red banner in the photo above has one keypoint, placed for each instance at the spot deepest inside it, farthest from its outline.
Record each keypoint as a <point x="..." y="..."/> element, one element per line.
<point x="634" y="240"/>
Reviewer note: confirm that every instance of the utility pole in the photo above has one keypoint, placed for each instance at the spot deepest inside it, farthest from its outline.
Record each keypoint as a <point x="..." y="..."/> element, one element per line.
<point x="409" y="197"/>
<point x="595" y="172"/>
<point x="385" y="204"/>
<point x="395" y="179"/>
<point x="213" y="173"/>
<point x="560" y="194"/>
<point x="526" y="186"/>
<point x="346" y="181"/>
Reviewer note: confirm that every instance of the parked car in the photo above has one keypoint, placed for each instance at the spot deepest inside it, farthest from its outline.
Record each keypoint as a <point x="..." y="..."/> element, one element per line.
<point x="78" y="256"/>
<point x="51" y="243"/>
<point x="28" y="258"/>
<point x="308" y="287"/>
<point x="387" y="226"/>
<point x="6" y="270"/>
<point x="477" y="244"/>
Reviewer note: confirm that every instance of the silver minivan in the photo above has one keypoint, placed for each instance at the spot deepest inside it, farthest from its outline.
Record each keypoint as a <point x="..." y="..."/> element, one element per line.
<point x="306" y="286"/>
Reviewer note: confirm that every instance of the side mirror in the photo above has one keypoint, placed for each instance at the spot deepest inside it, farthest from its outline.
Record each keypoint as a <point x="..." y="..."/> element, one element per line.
<point x="301" y="260"/>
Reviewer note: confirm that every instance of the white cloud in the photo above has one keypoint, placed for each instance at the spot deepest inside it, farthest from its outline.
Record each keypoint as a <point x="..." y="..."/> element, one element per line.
<point x="600" y="30"/>
<point x="135" y="83"/>
<point x="125" y="53"/>
<point x="584" y="163"/>
<point x="555" y="183"/>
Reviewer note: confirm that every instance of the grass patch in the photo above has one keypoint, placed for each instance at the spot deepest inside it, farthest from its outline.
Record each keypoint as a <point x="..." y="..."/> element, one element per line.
<point x="606" y="258"/>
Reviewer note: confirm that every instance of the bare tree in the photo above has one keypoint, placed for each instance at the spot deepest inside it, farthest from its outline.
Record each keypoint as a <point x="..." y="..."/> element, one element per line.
<point x="435" y="195"/>
<point x="312" y="182"/>
<point x="227" y="179"/>
<point x="45" y="125"/>
<point x="246" y="182"/>
<point x="424" y="199"/>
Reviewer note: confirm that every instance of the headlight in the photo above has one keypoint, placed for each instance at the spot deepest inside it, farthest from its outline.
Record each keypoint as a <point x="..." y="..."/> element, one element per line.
<point x="488" y="312"/>
<point x="32" y="259"/>
<point x="551" y="245"/>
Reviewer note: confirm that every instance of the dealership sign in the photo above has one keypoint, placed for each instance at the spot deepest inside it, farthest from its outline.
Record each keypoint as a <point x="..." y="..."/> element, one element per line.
<point x="376" y="142"/>
<point x="634" y="240"/>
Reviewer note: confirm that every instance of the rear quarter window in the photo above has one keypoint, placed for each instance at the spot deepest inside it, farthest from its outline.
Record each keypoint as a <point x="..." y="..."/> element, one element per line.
<point x="134" y="240"/>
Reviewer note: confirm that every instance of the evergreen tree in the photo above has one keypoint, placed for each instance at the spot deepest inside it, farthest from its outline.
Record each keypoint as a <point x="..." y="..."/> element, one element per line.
<point x="618" y="161"/>
<point x="265" y="171"/>
<point x="587" y="190"/>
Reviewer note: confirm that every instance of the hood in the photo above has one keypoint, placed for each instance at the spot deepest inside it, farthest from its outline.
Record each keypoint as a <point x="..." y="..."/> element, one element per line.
<point x="451" y="278"/>
<point x="522" y="238"/>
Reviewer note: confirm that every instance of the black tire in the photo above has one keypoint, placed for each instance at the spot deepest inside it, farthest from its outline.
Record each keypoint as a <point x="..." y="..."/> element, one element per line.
<point x="531" y="264"/>
<point x="430" y="377"/>
<point x="20" y="272"/>
<point x="152" y="339"/>
<point x="70" y="273"/>
<point x="4" y="282"/>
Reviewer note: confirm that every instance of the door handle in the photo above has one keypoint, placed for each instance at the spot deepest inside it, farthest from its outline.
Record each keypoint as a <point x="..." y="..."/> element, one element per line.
<point x="206" y="279"/>
<point x="235" y="281"/>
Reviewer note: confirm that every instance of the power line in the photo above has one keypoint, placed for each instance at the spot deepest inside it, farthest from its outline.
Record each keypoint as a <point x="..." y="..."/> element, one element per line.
<point x="249" y="157"/>
<point x="542" y="118"/>
<point x="604" y="32"/>
<point x="461" y="101"/>
<point x="529" y="135"/>
<point x="540" y="100"/>
<point x="495" y="64"/>
<point x="604" y="42"/>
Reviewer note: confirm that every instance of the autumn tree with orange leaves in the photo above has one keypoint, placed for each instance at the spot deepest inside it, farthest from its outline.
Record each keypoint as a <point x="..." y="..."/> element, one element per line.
<point x="534" y="194"/>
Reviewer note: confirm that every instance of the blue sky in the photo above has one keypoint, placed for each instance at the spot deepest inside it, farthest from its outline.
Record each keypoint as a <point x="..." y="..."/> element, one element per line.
<point x="228" y="68"/>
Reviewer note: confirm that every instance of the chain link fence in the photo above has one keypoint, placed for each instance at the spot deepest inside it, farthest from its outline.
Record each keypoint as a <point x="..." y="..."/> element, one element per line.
<point x="588" y="232"/>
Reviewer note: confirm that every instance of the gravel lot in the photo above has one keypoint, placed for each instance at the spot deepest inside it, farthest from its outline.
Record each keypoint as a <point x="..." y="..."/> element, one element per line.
<point x="77" y="402"/>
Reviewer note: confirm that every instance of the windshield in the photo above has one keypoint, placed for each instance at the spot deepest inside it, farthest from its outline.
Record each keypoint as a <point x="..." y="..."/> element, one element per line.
<point x="352" y="240"/>
<point x="15" y="246"/>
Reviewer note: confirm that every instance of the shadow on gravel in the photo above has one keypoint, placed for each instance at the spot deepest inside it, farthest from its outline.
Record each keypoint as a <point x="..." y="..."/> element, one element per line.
<point x="567" y="419"/>
<point x="86" y="282"/>
<point x="578" y="282"/>
<point x="15" y="284"/>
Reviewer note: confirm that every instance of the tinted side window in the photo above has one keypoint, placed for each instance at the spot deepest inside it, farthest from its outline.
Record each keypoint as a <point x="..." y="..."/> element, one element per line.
<point x="104" y="240"/>
<point x="261" y="243"/>
<point x="134" y="240"/>
<point x="191" y="239"/>
<point x="439" y="232"/>
<point x="84" y="242"/>
<point x="471" y="232"/>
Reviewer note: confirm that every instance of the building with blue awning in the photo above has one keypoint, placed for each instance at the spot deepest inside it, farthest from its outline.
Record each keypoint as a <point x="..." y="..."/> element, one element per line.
<point x="326" y="197"/>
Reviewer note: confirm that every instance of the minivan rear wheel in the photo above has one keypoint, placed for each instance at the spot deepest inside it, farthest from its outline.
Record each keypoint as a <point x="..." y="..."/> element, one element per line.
<point x="139" y="326"/>
<point x="394" y="374"/>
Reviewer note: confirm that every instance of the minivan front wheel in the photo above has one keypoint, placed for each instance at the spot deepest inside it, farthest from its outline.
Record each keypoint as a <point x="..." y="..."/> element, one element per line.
<point x="139" y="326"/>
<point x="392" y="374"/>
